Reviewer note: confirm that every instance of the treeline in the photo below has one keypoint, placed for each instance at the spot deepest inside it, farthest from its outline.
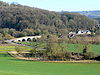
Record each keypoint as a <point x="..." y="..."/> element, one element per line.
<point x="7" y="34"/>
<point x="52" y="48"/>
<point x="19" y="17"/>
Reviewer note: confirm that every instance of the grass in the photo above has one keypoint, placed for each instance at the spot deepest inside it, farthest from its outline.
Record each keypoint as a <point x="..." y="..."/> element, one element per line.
<point x="12" y="48"/>
<point x="41" y="44"/>
<point x="7" y="48"/>
<point x="95" y="48"/>
<point x="11" y="66"/>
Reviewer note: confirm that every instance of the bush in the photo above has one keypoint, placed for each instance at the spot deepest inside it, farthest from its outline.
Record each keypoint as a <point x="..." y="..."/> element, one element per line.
<point x="89" y="55"/>
<point x="20" y="49"/>
<point x="68" y="55"/>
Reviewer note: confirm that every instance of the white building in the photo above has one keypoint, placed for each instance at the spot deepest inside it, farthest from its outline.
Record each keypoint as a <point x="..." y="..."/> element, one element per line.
<point x="82" y="32"/>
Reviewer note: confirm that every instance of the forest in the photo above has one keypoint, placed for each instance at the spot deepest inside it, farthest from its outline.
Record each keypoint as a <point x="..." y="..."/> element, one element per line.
<point x="17" y="21"/>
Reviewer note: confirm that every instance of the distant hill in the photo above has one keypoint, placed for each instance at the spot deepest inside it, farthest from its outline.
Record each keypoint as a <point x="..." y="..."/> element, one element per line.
<point x="90" y="14"/>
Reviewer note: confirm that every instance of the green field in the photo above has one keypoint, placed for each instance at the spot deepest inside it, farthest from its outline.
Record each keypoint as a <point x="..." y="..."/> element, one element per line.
<point x="95" y="48"/>
<point x="42" y="44"/>
<point x="12" y="48"/>
<point x="11" y="66"/>
<point x="7" y="48"/>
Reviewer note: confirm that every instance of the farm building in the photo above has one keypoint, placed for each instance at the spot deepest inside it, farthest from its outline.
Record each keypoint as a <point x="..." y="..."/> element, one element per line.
<point x="82" y="32"/>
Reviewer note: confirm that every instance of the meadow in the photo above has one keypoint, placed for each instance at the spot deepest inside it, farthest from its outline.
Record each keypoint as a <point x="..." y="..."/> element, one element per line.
<point x="12" y="48"/>
<point x="12" y="66"/>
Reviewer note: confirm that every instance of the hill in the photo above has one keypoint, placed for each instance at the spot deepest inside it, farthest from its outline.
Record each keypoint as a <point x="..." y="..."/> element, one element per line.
<point x="24" y="20"/>
<point x="91" y="14"/>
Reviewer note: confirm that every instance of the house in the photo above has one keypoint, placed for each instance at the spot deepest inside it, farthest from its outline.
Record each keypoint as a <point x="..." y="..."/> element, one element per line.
<point x="82" y="32"/>
<point x="98" y="25"/>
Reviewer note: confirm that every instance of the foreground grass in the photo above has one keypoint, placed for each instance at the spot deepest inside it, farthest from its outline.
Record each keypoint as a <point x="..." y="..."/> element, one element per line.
<point x="11" y="66"/>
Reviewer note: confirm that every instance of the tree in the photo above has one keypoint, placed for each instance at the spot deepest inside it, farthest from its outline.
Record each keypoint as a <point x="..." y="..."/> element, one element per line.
<point x="89" y="55"/>
<point x="38" y="21"/>
<point x="87" y="48"/>
<point x="53" y="48"/>
<point x="57" y="50"/>
<point x="34" y="51"/>
<point x="20" y="49"/>
<point x="8" y="37"/>
<point x="38" y="52"/>
<point x="87" y="52"/>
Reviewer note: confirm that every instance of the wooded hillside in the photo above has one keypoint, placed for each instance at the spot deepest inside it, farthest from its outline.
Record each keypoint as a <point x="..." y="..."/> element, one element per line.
<point x="22" y="18"/>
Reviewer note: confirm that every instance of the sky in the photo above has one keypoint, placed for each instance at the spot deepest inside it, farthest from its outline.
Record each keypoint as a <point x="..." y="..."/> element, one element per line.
<point x="61" y="5"/>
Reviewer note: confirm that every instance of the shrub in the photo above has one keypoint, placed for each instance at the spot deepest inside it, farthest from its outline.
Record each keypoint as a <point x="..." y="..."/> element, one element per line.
<point x="89" y="55"/>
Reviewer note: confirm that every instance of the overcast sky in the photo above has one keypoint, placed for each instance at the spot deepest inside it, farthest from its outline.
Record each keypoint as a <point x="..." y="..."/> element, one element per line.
<point x="59" y="5"/>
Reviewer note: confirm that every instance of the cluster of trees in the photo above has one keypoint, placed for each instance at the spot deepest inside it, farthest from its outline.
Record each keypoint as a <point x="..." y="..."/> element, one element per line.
<point x="95" y="39"/>
<point x="21" y="18"/>
<point x="7" y="34"/>
<point x="56" y="49"/>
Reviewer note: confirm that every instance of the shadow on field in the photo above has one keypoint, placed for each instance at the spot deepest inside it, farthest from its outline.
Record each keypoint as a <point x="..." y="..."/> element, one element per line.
<point x="17" y="59"/>
<point x="21" y="60"/>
